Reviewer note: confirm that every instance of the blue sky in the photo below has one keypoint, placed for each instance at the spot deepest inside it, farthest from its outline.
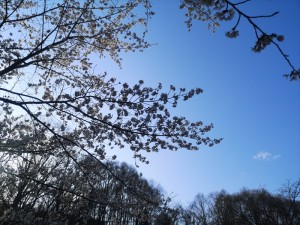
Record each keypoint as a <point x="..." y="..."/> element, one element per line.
<point x="252" y="106"/>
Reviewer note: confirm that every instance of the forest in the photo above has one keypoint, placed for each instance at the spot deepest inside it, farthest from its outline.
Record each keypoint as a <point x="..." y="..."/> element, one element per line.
<point x="33" y="191"/>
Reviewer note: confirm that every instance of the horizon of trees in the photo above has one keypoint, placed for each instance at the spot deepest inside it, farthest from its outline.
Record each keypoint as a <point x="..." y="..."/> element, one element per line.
<point x="33" y="191"/>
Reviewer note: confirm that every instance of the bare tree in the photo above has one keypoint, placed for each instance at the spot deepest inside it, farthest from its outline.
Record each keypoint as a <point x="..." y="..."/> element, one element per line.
<point x="290" y="194"/>
<point x="51" y="189"/>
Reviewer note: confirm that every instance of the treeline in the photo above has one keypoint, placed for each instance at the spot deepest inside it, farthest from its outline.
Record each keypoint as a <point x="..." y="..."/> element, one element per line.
<point x="57" y="190"/>
<point x="48" y="189"/>
<point x="248" y="207"/>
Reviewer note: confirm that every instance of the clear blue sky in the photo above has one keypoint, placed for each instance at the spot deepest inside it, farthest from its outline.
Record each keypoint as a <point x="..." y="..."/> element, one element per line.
<point x="252" y="106"/>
